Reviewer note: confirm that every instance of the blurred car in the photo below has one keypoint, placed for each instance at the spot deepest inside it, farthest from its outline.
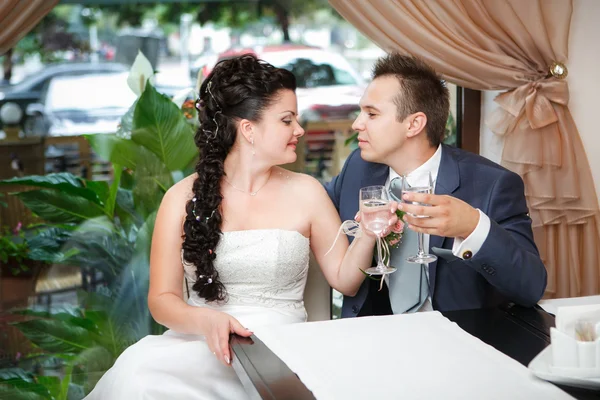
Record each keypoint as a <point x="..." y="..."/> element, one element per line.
<point x="328" y="86"/>
<point x="77" y="105"/>
<point x="30" y="89"/>
<point x="202" y="65"/>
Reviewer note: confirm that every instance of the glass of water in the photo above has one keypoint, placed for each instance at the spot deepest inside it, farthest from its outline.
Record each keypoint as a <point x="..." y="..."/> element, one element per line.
<point x="375" y="215"/>
<point x="421" y="183"/>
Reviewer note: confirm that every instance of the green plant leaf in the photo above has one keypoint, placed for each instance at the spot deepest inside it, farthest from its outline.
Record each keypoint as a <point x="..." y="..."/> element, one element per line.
<point x="93" y="300"/>
<point x="112" y="336"/>
<point x="351" y="140"/>
<point x="114" y="187"/>
<point x="100" y="246"/>
<point x="162" y="128"/>
<point x="60" y="207"/>
<point x="126" y="125"/>
<point x="152" y="180"/>
<point x="52" y="384"/>
<point x="27" y="393"/>
<point x="127" y="180"/>
<point x="95" y="359"/>
<point x="64" y="312"/>
<point x="94" y="362"/>
<point x="130" y="305"/>
<point x="126" y="212"/>
<point x="115" y="149"/>
<point x="99" y="187"/>
<point x="7" y="374"/>
<point x="56" y="336"/>
<point x="47" y="244"/>
<point x="62" y="181"/>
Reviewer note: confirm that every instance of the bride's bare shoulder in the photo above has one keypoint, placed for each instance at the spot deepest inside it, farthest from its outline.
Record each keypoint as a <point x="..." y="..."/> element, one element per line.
<point x="303" y="185"/>
<point x="181" y="192"/>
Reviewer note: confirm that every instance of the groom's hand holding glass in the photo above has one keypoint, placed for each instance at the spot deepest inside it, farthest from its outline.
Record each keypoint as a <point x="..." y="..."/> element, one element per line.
<point x="447" y="216"/>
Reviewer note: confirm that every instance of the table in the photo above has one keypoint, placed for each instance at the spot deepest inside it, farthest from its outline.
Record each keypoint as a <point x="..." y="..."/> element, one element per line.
<point x="520" y="333"/>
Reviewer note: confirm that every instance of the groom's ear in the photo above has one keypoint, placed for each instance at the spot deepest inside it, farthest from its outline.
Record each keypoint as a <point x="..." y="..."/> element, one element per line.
<point x="246" y="128"/>
<point x="416" y="124"/>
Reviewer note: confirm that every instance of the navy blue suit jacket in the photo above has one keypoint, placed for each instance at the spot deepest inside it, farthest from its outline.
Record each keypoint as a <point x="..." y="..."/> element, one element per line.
<point x="507" y="268"/>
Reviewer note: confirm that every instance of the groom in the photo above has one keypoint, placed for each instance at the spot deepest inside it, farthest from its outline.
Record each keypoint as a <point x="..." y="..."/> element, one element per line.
<point x="478" y="223"/>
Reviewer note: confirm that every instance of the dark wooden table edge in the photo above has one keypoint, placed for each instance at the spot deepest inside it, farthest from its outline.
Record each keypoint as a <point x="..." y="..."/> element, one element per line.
<point x="535" y="320"/>
<point x="256" y="385"/>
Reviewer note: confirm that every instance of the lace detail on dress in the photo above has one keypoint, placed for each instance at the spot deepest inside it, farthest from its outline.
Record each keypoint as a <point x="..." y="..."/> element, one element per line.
<point x="265" y="268"/>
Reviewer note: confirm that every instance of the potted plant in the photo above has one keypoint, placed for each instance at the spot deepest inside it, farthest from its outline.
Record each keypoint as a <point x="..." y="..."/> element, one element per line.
<point x="106" y="227"/>
<point x="18" y="272"/>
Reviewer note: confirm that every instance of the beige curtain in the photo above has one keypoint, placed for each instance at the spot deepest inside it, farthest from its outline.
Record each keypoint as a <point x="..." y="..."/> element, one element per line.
<point x="18" y="17"/>
<point x="511" y="45"/>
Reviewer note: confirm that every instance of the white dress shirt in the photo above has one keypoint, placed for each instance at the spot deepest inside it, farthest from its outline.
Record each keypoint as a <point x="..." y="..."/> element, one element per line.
<point x="472" y="243"/>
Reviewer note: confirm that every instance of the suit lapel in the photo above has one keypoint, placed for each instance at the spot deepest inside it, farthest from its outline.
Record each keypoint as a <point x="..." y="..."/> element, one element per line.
<point x="448" y="180"/>
<point x="375" y="174"/>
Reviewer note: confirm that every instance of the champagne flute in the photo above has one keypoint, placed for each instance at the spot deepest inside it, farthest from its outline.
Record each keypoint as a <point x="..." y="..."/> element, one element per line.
<point x="422" y="183"/>
<point x="376" y="214"/>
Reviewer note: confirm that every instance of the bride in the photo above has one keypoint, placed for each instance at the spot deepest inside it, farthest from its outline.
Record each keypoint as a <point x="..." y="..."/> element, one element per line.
<point x="240" y="230"/>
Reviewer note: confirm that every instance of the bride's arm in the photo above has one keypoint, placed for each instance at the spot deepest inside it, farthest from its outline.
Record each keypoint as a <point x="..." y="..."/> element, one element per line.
<point x="342" y="265"/>
<point x="165" y="298"/>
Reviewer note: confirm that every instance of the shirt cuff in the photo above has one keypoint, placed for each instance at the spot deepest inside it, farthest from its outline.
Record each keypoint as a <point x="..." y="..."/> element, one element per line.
<point x="467" y="248"/>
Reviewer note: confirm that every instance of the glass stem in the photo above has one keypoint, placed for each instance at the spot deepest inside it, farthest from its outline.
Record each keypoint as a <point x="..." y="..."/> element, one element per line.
<point x="380" y="264"/>
<point x="421" y="239"/>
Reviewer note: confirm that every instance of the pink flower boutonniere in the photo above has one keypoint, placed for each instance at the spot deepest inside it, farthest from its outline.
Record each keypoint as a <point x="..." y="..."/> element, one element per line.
<point x="394" y="238"/>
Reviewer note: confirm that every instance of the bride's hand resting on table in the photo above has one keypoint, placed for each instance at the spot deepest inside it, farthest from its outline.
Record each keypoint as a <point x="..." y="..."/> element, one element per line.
<point x="216" y="327"/>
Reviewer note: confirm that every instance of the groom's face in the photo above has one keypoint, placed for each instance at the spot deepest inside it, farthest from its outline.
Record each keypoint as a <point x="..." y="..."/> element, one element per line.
<point x="380" y="135"/>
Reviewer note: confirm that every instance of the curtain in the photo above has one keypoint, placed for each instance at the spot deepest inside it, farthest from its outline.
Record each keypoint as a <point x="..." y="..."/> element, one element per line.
<point x="520" y="47"/>
<point x="18" y="17"/>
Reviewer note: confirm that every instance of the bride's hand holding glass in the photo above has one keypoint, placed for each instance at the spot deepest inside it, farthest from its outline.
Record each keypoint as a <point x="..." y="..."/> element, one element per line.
<point x="392" y="221"/>
<point x="377" y="216"/>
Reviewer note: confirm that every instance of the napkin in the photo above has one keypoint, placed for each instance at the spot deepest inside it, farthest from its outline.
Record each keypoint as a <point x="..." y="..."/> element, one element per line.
<point x="576" y="342"/>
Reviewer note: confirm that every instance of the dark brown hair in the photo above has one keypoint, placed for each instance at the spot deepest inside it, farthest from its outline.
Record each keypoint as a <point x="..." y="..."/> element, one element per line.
<point x="421" y="89"/>
<point x="237" y="88"/>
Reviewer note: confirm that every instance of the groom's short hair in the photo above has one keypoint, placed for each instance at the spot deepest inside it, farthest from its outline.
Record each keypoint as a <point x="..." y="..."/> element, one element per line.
<point x="421" y="89"/>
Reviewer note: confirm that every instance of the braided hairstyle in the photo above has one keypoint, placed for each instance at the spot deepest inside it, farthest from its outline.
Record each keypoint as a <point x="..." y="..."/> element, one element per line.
<point x="237" y="88"/>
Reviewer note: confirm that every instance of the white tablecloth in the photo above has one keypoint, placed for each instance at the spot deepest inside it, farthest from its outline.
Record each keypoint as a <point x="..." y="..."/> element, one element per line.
<point x="552" y="305"/>
<point x="414" y="356"/>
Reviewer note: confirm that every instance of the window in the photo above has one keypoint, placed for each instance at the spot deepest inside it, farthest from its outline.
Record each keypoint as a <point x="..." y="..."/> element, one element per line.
<point x="451" y="137"/>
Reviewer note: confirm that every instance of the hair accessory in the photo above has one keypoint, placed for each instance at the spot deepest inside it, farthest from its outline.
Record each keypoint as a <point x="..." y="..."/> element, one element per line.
<point x="197" y="217"/>
<point x="208" y="87"/>
<point x="208" y="281"/>
<point x="211" y="135"/>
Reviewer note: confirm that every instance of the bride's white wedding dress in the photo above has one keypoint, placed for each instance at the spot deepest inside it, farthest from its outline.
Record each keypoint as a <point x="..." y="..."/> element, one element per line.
<point x="264" y="272"/>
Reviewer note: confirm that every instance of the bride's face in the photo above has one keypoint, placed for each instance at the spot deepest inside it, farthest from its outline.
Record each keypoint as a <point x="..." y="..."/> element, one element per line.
<point x="277" y="134"/>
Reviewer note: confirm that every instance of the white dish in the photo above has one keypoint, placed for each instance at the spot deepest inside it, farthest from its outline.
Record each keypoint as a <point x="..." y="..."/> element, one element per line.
<point x="540" y="367"/>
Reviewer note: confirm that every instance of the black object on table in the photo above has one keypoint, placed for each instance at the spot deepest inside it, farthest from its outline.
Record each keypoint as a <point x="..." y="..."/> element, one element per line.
<point x="518" y="332"/>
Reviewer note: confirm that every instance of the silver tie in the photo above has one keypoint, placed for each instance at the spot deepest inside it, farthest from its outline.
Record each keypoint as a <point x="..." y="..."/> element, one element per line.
<point x="409" y="285"/>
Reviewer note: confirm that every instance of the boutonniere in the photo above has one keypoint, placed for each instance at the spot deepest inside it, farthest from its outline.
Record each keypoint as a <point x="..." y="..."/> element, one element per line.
<point x="394" y="238"/>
